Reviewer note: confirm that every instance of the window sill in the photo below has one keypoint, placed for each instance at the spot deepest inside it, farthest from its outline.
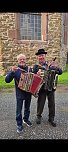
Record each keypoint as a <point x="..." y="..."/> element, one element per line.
<point x="30" y="41"/>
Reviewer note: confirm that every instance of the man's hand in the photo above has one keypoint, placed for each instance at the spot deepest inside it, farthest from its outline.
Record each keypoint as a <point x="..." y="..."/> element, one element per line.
<point x="14" y="68"/>
<point x="54" y="63"/>
<point x="40" y="73"/>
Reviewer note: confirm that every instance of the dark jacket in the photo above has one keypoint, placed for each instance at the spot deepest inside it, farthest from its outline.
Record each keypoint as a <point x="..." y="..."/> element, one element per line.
<point x="16" y="76"/>
<point x="50" y="77"/>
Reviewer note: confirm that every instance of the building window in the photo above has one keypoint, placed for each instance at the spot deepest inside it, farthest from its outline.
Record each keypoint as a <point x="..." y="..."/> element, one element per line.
<point x="31" y="26"/>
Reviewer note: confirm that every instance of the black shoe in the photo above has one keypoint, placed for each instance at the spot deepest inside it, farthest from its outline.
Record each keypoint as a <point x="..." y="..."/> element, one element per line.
<point x="52" y="123"/>
<point x="38" y="120"/>
<point x="28" y="123"/>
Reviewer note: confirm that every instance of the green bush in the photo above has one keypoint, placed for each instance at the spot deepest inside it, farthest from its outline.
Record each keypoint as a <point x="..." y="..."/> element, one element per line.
<point x="66" y="68"/>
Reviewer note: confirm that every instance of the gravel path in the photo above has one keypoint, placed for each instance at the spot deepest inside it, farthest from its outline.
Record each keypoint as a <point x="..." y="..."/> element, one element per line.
<point x="42" y="131"/>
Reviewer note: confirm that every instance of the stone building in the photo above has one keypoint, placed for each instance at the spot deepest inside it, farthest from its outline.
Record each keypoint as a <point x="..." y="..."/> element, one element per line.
<point x="27" y="32"/>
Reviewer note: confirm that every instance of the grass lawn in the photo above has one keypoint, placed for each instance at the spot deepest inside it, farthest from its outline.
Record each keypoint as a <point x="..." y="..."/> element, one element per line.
<point x="63" y="79"/>
<point x="3" y="84"/>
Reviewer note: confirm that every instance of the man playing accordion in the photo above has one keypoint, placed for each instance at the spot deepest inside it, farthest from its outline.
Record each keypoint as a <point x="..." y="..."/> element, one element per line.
<point x="48" y="88"/>
<point x="21" y="95"/>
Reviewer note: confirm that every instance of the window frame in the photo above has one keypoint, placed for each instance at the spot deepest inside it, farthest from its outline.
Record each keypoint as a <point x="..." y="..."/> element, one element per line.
<point x="44" y="28"/>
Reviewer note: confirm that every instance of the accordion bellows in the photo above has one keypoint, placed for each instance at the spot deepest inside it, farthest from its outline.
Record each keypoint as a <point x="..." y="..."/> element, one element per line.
<point x="30" y="82"/>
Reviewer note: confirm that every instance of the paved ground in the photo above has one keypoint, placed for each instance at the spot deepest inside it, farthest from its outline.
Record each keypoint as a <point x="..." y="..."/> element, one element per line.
<point x="42" y="131"/>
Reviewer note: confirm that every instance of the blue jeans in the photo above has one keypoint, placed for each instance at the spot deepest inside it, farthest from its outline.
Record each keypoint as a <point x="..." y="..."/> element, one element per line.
<point x="27" y="101"/>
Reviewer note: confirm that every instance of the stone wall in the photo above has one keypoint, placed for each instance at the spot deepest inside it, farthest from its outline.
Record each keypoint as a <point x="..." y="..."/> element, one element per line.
<point x="9" y="48"/>
<point x="55" y="38"/>
<point x="54" y="35"/>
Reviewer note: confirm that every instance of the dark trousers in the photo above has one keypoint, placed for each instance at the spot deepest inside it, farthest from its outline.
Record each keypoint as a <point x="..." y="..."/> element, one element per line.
<point x="27" y="100"/>
<point x="51" y="103"/>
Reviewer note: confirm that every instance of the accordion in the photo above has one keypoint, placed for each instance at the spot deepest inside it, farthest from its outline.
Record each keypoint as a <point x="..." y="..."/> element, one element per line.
<point x="30" y="82"/>
<point x="50" y="80"/>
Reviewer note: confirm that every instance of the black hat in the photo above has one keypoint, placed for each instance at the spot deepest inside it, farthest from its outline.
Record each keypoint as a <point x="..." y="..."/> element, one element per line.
<point x="41" y="51"/>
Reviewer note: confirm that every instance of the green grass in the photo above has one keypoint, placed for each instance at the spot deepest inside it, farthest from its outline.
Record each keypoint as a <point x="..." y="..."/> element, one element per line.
<point x="3" y="84"/>
<point x="63" y="78"/>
